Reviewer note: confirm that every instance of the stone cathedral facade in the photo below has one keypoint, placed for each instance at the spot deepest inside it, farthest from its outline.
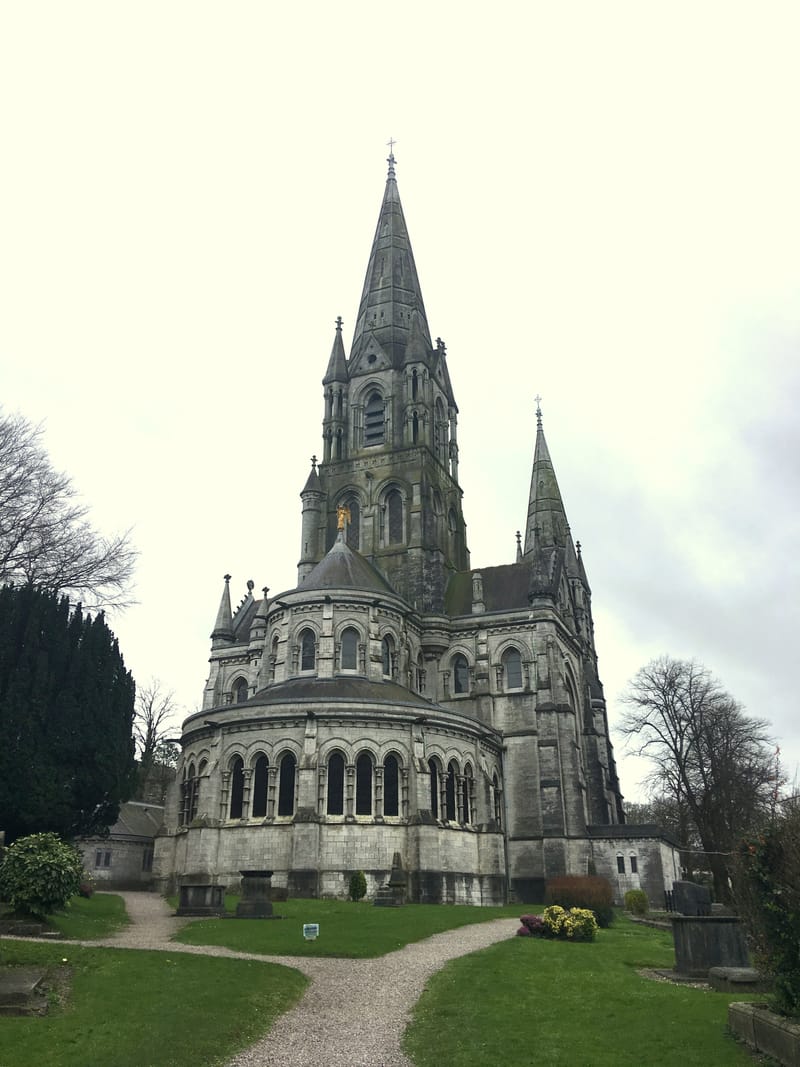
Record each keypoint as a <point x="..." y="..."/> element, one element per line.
<point x="397" y="700"/>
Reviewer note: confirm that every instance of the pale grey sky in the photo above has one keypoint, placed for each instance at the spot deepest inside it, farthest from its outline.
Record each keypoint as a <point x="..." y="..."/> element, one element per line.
<point x="602" y="201"/>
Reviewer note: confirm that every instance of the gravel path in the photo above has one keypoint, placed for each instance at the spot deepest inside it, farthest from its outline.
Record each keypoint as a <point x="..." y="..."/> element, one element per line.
<point x="353" y="1012"/>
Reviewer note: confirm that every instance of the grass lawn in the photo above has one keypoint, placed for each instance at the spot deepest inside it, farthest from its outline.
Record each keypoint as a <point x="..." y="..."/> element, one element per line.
<point x="144" y="1009"/>
<point x="556" y="1004"/>
<point x="346" y="929"/>
<point x="93" y="919"/>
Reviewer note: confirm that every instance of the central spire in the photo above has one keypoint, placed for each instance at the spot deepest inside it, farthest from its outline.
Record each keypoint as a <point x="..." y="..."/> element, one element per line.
<point x="391" y="301"/>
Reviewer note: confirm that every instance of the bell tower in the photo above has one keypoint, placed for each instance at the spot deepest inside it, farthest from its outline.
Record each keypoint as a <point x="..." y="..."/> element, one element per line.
<point x="390" y="447"/>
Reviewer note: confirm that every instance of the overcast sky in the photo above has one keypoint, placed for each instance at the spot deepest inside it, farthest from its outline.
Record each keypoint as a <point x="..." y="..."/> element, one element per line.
<point x="603" y="204"/>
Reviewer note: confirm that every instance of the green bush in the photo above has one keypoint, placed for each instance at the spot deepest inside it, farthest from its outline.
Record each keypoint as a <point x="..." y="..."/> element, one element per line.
<point x="39" y="874"/>
<point x="358" y="885"/>
<point x="768" y="898"/>
<point x="583" y="891"/>
<point x="636" y="902"/>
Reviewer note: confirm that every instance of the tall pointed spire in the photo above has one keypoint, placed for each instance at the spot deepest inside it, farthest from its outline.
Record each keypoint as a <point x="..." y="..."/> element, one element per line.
<point x="547" y="521"/>
<point x="223" y="627"/>
<point x="337" y="364"/>
<point x="391" y="291"/>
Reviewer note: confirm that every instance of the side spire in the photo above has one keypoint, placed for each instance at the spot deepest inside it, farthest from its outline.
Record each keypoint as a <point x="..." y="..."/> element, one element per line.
<point x="391" y="291"/>
<point x="223" y="627"/>
<point x="337" y="364"/>
<point x="547" y="525"/>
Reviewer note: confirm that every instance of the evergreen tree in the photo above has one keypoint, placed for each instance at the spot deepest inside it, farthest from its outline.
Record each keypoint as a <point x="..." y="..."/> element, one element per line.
<point x="66" y="717"/>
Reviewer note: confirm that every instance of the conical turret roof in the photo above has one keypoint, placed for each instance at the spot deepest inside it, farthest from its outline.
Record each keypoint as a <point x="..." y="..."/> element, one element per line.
<point x="337" y="364"/>
<point x="223" y="626"/>
<point x="342" y="568"/>
<point x="391" y="292"/>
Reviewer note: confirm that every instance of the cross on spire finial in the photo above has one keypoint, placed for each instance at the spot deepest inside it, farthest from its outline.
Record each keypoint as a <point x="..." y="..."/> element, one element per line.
<point x="538" y="400"/>
<point x="391" y="143"/>
<point x="339" y="322"/>
<point x="313" y="463"/>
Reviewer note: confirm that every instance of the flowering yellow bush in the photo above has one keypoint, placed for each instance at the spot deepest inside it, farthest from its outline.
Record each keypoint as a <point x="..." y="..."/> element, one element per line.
<point x="577" y="924"/>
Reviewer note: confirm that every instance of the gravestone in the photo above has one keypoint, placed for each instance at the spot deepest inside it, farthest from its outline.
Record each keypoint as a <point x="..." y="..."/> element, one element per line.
<point x="689" y="898"/>
<point x="706" y="941"/>
<point x="200" y="898"/>
<point x="256" y="900"/>
<point x="393" y="894"/>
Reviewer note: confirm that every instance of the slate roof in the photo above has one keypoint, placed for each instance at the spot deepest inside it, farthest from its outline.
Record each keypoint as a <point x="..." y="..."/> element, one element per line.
<point x="138" y="820"/>
<point x="343" y="688"/>
<point x="342" y="568"/>
<point x="505" y="588"/>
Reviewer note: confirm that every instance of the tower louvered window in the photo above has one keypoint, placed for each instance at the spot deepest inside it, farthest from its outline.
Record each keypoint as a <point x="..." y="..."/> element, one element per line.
<point x="374" y="415"/>
<point x="354" y="524"/>
<point x="394" y="508"/>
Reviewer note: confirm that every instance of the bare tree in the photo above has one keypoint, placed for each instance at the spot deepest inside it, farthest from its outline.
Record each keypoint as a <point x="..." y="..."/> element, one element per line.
<point x="154" y="722"/>
<point x="46" y="538"/>
<point x="714" y="761"/>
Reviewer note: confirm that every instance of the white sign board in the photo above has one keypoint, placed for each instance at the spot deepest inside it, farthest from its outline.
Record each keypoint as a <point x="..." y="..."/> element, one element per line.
<point x="310" y="931"/>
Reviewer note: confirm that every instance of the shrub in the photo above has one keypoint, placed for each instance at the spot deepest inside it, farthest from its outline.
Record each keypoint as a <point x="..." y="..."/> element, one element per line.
<point x="39" y="874"/>
<point x="358" y="885"/>
<point x="768" y="896"/>
<point x="577" y="924"/>
<point x="583" y="891"/>
<point x="532" y="925"/>
<point x="636" y="902"/>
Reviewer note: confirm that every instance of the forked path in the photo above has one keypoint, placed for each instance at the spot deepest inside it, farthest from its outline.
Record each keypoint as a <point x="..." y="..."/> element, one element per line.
<point x="353" y="1012"/>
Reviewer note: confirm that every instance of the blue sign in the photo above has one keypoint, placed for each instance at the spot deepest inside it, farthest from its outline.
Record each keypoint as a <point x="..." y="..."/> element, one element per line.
<point x="310" y="931"/>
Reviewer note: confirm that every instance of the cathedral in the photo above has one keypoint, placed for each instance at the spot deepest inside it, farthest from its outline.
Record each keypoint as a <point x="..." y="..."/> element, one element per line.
<point x="396" y="700"/>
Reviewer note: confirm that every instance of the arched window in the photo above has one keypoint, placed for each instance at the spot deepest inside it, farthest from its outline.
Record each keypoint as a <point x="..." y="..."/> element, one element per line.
<point x="391" y="786"/>
<point x="190" y="790"/>
<point x="433" y="770"/>
<point x="286" y="785"/>
<point x="239" y="691"/>
<point x="335" y="805"/>
<point x="469" y="787"/>
<point x="498" y="808"/>
<point x="450" y="792"/>
<point x="353" y="534"/>
<point x="364" y="784"/>
<point x="419" y="674"/>
<point x="512" y="663"/>
<point x="308" y="650"/>
<point x="460" y="674"/>
<point x="394" y="518"/>
<point x="374" y="416"/>
<point x="237" y="787"/>
<point x="349" y="649"/>
<point x="440" y="431"/>
<point x="339" y="449"/>
<point x="260" y="775"/>
<point x="387" y="656"/>
<point x="273" y="658"/>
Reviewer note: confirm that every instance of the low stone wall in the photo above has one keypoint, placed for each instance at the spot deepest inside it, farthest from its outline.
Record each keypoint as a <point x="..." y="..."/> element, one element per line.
<point x="766" y="1032"/>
